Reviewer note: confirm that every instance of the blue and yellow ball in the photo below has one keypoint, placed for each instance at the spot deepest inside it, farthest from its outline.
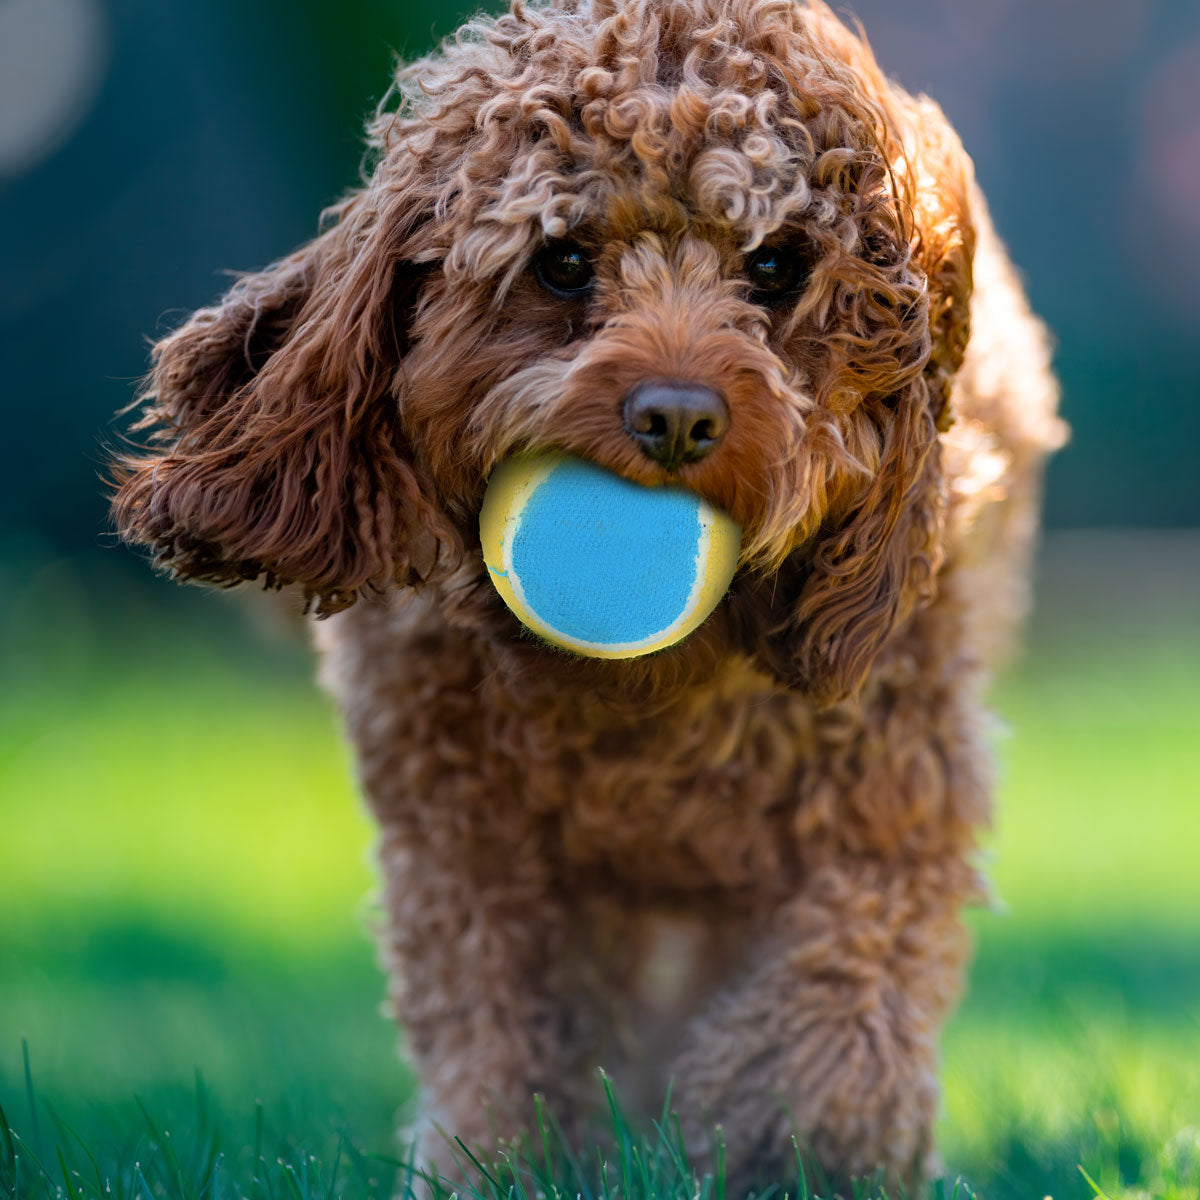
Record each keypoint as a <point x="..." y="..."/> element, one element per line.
<point x="601" y="566"/>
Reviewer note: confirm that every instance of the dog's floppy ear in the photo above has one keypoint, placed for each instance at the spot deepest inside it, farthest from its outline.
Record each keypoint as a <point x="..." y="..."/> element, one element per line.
<point x="865" y="574"/>
<point x="939" y="189"/>
<point x="862" y="578"/>
<point x="276" y="448"/>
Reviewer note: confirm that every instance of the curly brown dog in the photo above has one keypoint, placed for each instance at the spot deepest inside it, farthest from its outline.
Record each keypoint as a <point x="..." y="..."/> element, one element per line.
<point x="739" y="863"/>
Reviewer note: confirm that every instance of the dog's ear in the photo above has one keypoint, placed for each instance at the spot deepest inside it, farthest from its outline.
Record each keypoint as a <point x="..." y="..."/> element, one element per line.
<point x="858" y="581"/>
<point x="938" y="188"/>
<point x="865" y="574"/>
<point x="275" y="447"/>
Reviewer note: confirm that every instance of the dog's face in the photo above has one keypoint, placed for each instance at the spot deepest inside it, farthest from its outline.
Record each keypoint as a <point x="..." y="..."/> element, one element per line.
<point x="703" y="242"/>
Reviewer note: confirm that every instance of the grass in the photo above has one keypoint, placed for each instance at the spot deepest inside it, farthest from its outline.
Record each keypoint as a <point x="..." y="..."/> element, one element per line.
<point x="636" y="1165"/>
<point x="185" y="881"/>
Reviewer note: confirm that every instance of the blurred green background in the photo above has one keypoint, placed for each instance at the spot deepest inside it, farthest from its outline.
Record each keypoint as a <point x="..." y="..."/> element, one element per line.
<point x="184" y="869"/>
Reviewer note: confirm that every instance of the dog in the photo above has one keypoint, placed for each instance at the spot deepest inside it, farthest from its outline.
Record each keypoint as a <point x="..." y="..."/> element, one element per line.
<point x="737" y="864"/>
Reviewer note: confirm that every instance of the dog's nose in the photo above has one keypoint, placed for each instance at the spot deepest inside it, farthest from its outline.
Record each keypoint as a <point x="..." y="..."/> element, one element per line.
<point x="675" y="423"/>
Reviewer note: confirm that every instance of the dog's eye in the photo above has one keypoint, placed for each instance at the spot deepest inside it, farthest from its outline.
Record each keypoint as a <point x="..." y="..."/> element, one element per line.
<point x="563" y="270"/>
<point x="773" y="274"/>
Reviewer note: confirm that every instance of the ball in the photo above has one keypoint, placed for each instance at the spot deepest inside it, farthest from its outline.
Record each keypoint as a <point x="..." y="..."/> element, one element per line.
<point x="598" y="565"/>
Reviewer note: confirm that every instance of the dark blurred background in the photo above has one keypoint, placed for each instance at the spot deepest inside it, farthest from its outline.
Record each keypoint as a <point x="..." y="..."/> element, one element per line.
<point x="147" y="146"/>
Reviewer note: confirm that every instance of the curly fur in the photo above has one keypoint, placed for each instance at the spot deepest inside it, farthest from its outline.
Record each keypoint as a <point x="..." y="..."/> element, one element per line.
<point x="740" y="862"/>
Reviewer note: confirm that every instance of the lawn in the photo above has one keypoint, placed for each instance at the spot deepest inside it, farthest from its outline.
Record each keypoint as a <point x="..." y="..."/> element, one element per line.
<point x="185" y="889"/>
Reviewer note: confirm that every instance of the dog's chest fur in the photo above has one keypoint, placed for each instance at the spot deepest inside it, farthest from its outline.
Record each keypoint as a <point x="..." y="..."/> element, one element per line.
<point x="658" y="797"/>
<point x="735" y="787"/>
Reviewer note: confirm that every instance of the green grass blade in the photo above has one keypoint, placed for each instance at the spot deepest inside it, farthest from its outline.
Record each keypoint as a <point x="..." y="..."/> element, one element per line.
<point x="801" y="1177"/>
<point x="1093" y="1184"/>
<point x="10" y="1150"/>
<point x="101" y="1186"/>
<point x="167" y="1149"/>
<point x="578" y="1174"/>
<point x="671" y="1139"/>
<point x="30" y="1098"/>
<point x="35" y="1158"/>
<point x="66" y="1174"/>
<point x="331" y="1189"/>
<point x="147" y="1194"/>
<point x="643" y="1168"/>
<point x="496" y="1187"/>
<point x="518" y="1186"/>
<point x="621" y="1129"/>
<point x="539" y="1109"/>
<point x="289" y="1178"/>
<point x="262" y="1174"/>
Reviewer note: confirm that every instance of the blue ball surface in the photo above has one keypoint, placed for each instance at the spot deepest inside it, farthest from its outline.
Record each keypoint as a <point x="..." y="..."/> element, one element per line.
<point x="603" y="560"/>
<point x="599" y="565"/>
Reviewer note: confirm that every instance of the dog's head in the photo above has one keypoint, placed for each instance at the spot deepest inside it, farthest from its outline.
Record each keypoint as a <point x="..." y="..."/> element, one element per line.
<point x="696" y="240"/>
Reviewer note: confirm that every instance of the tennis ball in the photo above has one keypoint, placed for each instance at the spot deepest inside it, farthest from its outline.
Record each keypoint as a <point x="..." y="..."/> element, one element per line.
<point x="598" y="565"/>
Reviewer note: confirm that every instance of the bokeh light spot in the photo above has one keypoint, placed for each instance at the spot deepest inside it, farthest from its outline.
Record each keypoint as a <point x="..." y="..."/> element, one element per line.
<point x="53" y="57"/>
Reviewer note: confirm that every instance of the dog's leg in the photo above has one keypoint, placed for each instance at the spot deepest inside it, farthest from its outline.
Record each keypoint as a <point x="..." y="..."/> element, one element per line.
<point x="474" y="942"/>
<point x="475" y="929"/>
<point x="831" y="1035"/>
